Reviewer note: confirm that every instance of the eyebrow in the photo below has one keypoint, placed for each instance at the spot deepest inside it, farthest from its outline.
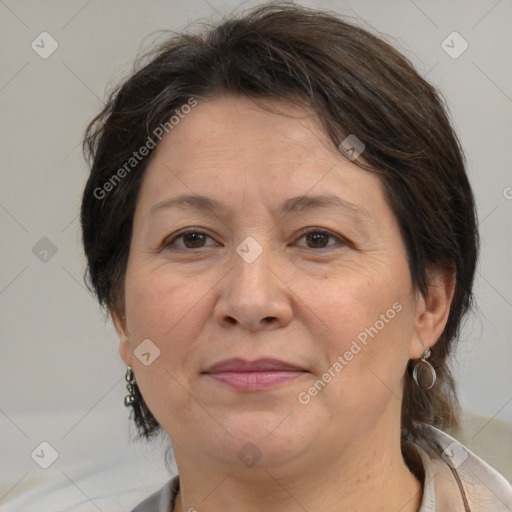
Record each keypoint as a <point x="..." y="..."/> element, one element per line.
<point x="290" y="205"/>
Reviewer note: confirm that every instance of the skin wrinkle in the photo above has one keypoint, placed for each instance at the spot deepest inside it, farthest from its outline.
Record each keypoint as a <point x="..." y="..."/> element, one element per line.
<point x="350" y="432"/>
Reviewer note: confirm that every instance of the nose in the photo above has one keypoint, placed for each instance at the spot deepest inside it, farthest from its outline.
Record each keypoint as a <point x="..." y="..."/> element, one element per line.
<point x="254" y="295"/>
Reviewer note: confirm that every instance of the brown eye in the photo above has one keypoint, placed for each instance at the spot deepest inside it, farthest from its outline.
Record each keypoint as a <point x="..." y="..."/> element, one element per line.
<point x="319" y="239"/>
<point x="192" y="239"/>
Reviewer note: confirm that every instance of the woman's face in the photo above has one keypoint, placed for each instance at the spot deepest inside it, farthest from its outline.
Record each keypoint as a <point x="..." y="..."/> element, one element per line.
<point x="296" y="257"/>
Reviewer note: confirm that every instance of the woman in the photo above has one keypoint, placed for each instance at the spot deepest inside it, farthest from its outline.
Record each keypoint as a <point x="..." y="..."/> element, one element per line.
<point x="279" y="221"/>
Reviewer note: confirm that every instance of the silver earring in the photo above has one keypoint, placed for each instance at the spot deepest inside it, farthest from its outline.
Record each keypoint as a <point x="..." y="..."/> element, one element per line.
<point x="424" y="374"/>
<point x="130" y="386"/>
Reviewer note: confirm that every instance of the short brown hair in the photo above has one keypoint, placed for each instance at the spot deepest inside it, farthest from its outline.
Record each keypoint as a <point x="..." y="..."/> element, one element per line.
<point x="357" y="84"/>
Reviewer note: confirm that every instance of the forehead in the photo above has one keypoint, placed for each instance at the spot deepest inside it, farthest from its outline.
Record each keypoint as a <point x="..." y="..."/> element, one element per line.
<point x="227" y="146"/>
<point x="239" y="126"/>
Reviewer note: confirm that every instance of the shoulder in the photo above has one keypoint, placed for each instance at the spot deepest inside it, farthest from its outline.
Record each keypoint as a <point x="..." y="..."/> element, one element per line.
<point x="463" y="481"/>
<point x="162" y="500"/>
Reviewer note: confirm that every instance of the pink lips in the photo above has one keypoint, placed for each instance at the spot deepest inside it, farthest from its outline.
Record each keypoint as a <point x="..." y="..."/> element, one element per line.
<point x="253" y="376"/>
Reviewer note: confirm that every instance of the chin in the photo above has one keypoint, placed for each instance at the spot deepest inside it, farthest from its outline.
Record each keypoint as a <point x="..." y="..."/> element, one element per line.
<point x="261" y="439"/>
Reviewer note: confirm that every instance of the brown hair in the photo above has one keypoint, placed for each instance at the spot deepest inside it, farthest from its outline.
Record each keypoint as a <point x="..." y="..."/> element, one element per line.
<point x="357" y="84"/>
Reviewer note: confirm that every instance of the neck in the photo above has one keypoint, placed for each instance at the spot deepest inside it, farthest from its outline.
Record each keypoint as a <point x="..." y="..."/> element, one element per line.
<point x="365" y="475"/>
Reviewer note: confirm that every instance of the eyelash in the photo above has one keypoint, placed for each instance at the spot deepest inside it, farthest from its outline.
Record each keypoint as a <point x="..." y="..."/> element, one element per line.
<point x="168" y="243"/>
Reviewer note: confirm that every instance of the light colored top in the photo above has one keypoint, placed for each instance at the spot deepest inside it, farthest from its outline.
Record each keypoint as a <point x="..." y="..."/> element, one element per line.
<point x="455" y="480"/>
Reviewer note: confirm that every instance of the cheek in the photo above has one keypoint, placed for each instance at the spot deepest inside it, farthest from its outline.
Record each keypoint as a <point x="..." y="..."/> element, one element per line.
<point x="159" y="302"/>
<point x="370" y="320"/>
<point x="166" y="310"/>
<point x="354" y="300"/>
<point x="170" y="312"/>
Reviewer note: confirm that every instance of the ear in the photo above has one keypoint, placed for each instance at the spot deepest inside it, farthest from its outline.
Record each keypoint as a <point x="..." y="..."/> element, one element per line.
<point x="432" y="310"/>
<point x="119" y="321"/>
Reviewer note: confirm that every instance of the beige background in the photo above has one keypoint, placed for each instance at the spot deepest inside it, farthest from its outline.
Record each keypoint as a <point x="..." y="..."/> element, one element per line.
<point x="61" y="378"/>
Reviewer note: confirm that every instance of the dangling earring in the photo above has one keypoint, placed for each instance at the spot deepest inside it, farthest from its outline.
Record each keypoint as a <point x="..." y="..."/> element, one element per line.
<point x="130" y="386"/>
<point x="424" y="374"/>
